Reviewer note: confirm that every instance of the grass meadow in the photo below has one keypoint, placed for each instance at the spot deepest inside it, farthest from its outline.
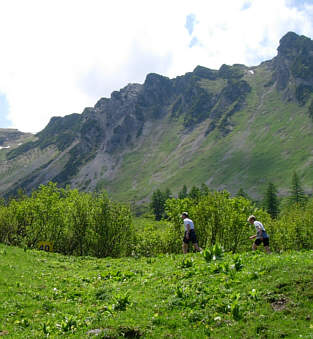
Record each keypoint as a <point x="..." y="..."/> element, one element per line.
<point x="251" y="295"/>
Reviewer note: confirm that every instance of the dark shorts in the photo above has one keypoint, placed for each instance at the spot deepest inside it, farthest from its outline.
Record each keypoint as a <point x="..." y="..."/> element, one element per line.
<point x="192" y="237"/>
<point x="266" y="241"/>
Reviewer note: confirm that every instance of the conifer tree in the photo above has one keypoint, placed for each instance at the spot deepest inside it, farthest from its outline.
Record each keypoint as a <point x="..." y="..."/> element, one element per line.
<point x="297" y="194"/>
<point x="157" y="204"/>
<point x="183" y="193"/>
<point x="242" y="193"/>
<point x="195" y="192"/>
<point x="271" y="201"/>
<point x="204" y="189"/>
<point x="167" y="194"/>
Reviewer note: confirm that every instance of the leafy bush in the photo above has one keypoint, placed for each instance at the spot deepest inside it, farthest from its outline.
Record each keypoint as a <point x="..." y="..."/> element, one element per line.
<point x="238" y="263"/>
<point x="91" y="224"/>
<point x="120" y="301"/>
<point x="218" y="218"/>
<point x="186" y="263"/>
<point x="293" y="229"/>
<point x="76" y="223"/>
<point x="207" y="254"/>
<point x="153" y="238"/>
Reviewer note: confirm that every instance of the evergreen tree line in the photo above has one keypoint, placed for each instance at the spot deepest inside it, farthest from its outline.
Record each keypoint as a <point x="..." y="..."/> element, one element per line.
<point x="270" y="202"/>
<point x="159" y="198"/>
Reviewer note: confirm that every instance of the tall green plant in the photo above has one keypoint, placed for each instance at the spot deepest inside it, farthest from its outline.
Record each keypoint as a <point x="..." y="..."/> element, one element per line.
<point x="112" y="231"/>
<point x="78" y="219"/>
<point x="297" y="194"/>
<point x="183" y="193"/>
<point x="157" y="204"/>
<point x="42" y="214"/>
<point x="271" y="201"/>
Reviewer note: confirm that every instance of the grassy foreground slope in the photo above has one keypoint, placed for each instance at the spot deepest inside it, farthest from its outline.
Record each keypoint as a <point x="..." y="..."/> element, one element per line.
<point x="46" y="294"/>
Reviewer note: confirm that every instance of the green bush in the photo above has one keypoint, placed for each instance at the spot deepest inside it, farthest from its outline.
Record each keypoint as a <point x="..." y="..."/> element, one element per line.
<point x="218" y="218"/>
<point x="91" y="224"/>
<point x="293" y="229"/>
<point x="153" y="238"/>
<point x="76" y="223"/>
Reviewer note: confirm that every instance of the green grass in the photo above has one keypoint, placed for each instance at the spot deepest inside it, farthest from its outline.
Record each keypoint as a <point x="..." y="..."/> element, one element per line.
<point x="169" y="296"/>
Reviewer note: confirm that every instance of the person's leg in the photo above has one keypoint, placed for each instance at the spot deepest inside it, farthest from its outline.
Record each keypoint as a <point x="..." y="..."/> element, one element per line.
<point x="185" y="243"/>
<point x="266" y="242"/>
<point x="196" y="247"/>
<point x="256" y="244"/>
<point x="194" y="241"/>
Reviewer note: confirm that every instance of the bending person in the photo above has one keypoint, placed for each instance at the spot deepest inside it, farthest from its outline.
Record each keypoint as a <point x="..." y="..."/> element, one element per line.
<point x="190" y="234"/>
<point x="260" y="236"/>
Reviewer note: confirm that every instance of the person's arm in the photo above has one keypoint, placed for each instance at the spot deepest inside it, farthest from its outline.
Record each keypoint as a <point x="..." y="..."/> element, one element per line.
<point x="252" y="236"/>
<point x="187" y="230"/>
<point x="259" y="232"/>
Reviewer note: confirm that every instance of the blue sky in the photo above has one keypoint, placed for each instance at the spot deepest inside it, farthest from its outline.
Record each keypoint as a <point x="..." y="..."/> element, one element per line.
<point x="299" y="4"/>
<point x="4" y="110"/>
<point x="190" y="23"/>
<point x="59" y="57"/>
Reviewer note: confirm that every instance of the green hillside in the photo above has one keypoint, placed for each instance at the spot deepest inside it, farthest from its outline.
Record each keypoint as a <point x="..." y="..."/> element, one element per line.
<point x="250" y="296"/>
<point x="236" y="127"/>
<point x="270" y="139"/>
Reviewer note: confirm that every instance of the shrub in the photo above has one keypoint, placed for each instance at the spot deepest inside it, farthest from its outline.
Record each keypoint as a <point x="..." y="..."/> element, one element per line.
<point x="293" y="229"/>
<point x="77" y="223"/>
<point x="218" y="218"/>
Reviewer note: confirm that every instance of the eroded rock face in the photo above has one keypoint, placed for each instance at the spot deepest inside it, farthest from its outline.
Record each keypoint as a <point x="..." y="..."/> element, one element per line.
<point x="11" y="136"/>
<point x="293" y="66"/>
<point x="117" y="125"/>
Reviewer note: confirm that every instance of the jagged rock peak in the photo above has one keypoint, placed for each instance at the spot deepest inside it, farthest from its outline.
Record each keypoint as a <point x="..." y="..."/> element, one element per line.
<point x="154" y="79"/>
<point x="128" y="92"/>
<point x="292" y="44"/>
<point x="204" y="72"/>
<point x="157" y="89"/>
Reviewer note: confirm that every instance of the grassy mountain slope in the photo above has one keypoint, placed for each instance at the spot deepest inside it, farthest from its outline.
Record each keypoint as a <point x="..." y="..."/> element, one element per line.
<point x="269" y="140"/>
<point x="236" y="127"/>
<point x="11" y="138"/>
<point x="250" y="296"/>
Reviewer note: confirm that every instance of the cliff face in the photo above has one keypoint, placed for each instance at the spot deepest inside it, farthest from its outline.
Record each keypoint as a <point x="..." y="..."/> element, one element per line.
<point x="293" y="67"/>
<point x="166" y="132"/>
<point x="10" y="137"/>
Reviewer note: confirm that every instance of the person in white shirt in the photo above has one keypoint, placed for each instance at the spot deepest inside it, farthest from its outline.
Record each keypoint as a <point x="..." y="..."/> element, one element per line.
<point x="190" y="234"/>
<point x="260" y="236"/>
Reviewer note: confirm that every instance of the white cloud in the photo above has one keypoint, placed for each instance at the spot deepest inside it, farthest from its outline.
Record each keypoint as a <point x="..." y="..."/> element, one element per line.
<point x="58" y="57"/>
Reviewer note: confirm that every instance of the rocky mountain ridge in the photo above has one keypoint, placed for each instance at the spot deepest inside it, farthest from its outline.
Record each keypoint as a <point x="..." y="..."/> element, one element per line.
<point x="11" y="137"/>
<point x="158" y="133"/>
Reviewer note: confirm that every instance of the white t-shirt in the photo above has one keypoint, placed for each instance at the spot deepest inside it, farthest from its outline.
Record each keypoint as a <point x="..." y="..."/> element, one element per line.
<point x="259" y="227"/>
<point x="190" y="222"/>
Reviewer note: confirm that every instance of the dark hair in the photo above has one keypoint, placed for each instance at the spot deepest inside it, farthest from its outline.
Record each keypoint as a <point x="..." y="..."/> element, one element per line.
<point x="185" y="214"/>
